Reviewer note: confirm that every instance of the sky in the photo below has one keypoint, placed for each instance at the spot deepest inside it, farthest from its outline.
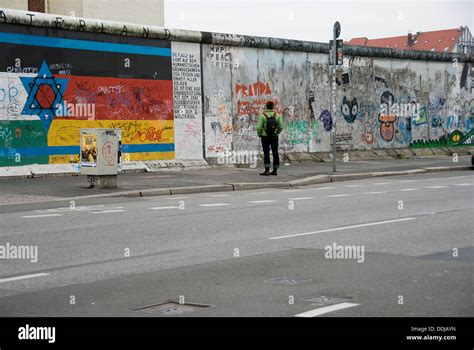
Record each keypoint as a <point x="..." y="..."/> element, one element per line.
<point x="313" y="19"/>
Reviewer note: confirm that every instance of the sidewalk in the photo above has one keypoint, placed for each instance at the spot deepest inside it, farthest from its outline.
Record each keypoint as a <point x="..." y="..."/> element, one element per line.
<point x="17" y="191"/>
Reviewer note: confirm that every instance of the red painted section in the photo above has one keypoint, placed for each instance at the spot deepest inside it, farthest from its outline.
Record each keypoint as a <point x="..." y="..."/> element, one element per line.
<point x="118" y="98"/>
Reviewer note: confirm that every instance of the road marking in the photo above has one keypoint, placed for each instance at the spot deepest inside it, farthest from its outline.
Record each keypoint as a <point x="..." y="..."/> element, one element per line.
<point x="213" y="204"/>
<point x="354" y="185"/>
<point x="263" y="201"/>
<point x="434" y="187"/>
<point x="256" y="193"/>
<point x="411" y="180"/>
<point x="382" y="183"/>
<point x="323" y="188"/>
<point x="463" y="184"/>
<point x="173" y="198"/>
<point x="326" y="309"/>
<point x="375" y="192"/>
<point x="219" y="195"/>
<point x="337" y="195"/>
<point x="290" y="191"/>
<point x="41" y="216"/>
<point x="342" y="228"/>
<point x="300" y="198"/>
<point x="108" y="211"/>
<point x="168" y="207"/>
<point x="409" y="189"/>
<point x="23" y="277"/>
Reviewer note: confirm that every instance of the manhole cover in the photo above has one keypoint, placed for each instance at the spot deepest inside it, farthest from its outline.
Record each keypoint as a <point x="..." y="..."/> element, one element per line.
<point x="287" y="280"/>
<point x="171" y="308"/>
<point x="323" y="300"/>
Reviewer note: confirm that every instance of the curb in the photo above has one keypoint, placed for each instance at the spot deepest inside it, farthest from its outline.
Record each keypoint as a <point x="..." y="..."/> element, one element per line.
<point x="200" y="189"/>
<point x="243" y="186"/>
<point x="312" y="180"/>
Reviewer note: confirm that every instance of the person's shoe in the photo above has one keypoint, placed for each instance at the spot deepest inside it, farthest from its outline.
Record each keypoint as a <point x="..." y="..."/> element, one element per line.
<point x="274" y="172"/>
<point x="265" y="173"/>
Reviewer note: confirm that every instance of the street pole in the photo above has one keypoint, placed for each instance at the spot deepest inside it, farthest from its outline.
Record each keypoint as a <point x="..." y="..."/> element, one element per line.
<point x="336" y="31"/>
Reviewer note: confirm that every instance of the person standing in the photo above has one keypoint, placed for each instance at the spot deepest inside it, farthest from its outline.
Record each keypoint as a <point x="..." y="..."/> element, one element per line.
<point x="269" y="126"/>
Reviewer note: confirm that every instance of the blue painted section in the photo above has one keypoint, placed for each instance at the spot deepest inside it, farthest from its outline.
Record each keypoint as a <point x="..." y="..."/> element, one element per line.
<point x="35" y="40"/>
<point x="64" y="150"/>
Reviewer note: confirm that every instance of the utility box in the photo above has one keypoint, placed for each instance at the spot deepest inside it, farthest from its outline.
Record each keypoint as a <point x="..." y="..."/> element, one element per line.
<point x="99" y="156"/>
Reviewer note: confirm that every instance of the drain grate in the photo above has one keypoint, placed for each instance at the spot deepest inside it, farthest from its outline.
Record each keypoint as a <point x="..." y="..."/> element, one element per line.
<point x="288" y="280"/>
<point x="171" y="308"/>
<point x="324" y="300"/>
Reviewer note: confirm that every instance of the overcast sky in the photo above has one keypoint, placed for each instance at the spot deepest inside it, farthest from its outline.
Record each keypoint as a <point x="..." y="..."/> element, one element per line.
<point x="313" y="19"/>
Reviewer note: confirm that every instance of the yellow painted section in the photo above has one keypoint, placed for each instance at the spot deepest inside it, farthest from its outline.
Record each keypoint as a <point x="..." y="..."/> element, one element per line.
<point x="66" y="132"/>
<point x="151" y="156"/>
<point x="64" y="159"/>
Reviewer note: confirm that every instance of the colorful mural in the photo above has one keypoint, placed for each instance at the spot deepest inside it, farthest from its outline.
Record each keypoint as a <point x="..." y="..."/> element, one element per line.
<point x="53" y="83"/>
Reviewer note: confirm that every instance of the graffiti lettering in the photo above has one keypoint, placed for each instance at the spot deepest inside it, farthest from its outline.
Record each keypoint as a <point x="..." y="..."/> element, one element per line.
<point x="254" y="89"/>
<point x="150" y="134"/>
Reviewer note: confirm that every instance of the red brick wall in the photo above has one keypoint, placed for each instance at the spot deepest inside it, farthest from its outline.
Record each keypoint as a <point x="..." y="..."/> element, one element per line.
<point x="36" y="5"/>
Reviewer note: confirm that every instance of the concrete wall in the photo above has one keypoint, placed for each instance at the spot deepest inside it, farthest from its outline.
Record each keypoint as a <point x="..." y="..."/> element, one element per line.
<point x="243" y="79"/>
<point x="187" y="95"/>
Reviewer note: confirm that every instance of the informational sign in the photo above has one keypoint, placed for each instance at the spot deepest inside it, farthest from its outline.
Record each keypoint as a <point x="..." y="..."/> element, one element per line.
<point x="100" y="153"/>
<point x="89" y="150"/>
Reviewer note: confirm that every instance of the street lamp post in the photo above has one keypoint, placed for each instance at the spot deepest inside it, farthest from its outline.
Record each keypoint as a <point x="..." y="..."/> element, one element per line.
<point x="333" y="59"/>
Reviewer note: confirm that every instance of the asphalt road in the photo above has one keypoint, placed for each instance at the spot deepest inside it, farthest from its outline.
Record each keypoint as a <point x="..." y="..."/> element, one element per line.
<point x="250" y="253"/>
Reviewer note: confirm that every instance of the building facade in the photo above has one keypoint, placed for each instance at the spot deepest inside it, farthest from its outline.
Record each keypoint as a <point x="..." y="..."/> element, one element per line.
<point x="148" y="12"/>
<point x="456" y="40"/>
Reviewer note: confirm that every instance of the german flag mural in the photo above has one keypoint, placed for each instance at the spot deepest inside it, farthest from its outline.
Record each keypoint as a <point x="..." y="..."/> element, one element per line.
<point x="55" y="82"/>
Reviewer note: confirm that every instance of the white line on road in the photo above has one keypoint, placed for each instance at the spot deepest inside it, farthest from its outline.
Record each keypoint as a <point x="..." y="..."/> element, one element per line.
<point x="256" y="193"/>
<point x="342" y="228"/>
<point x="337" y="195"/>
<point x="323" y="188"/>
<point x="326" y="309"/>
<point x="107" y="211"/>
<point x="41" y="216"/>
<point x="375" y="192"/>
<point x="168" y="207"/>
<point x="173" y="198"/>
<point x="354" y="185"/>
<point x="23" y="277"/>
<point x="409" y="189"/>
<point x="300" y="198"/>
<point x="463" y="184"/>
<point x="213" y="204"/>
<point x="434" y="187"/>
<point x="219" y="195"/>
<point x="263" y="201"/>
<point x="382" y="183"/>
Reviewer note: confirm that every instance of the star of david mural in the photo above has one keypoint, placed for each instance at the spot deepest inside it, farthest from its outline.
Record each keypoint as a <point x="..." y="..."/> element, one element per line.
<point x="45" y="95"/>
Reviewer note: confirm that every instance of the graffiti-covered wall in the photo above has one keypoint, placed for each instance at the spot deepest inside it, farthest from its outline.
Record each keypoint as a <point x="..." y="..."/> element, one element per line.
<point x="53" y="83"/>
<point x="429" y="104"/>
<point x="184" y="95"/>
